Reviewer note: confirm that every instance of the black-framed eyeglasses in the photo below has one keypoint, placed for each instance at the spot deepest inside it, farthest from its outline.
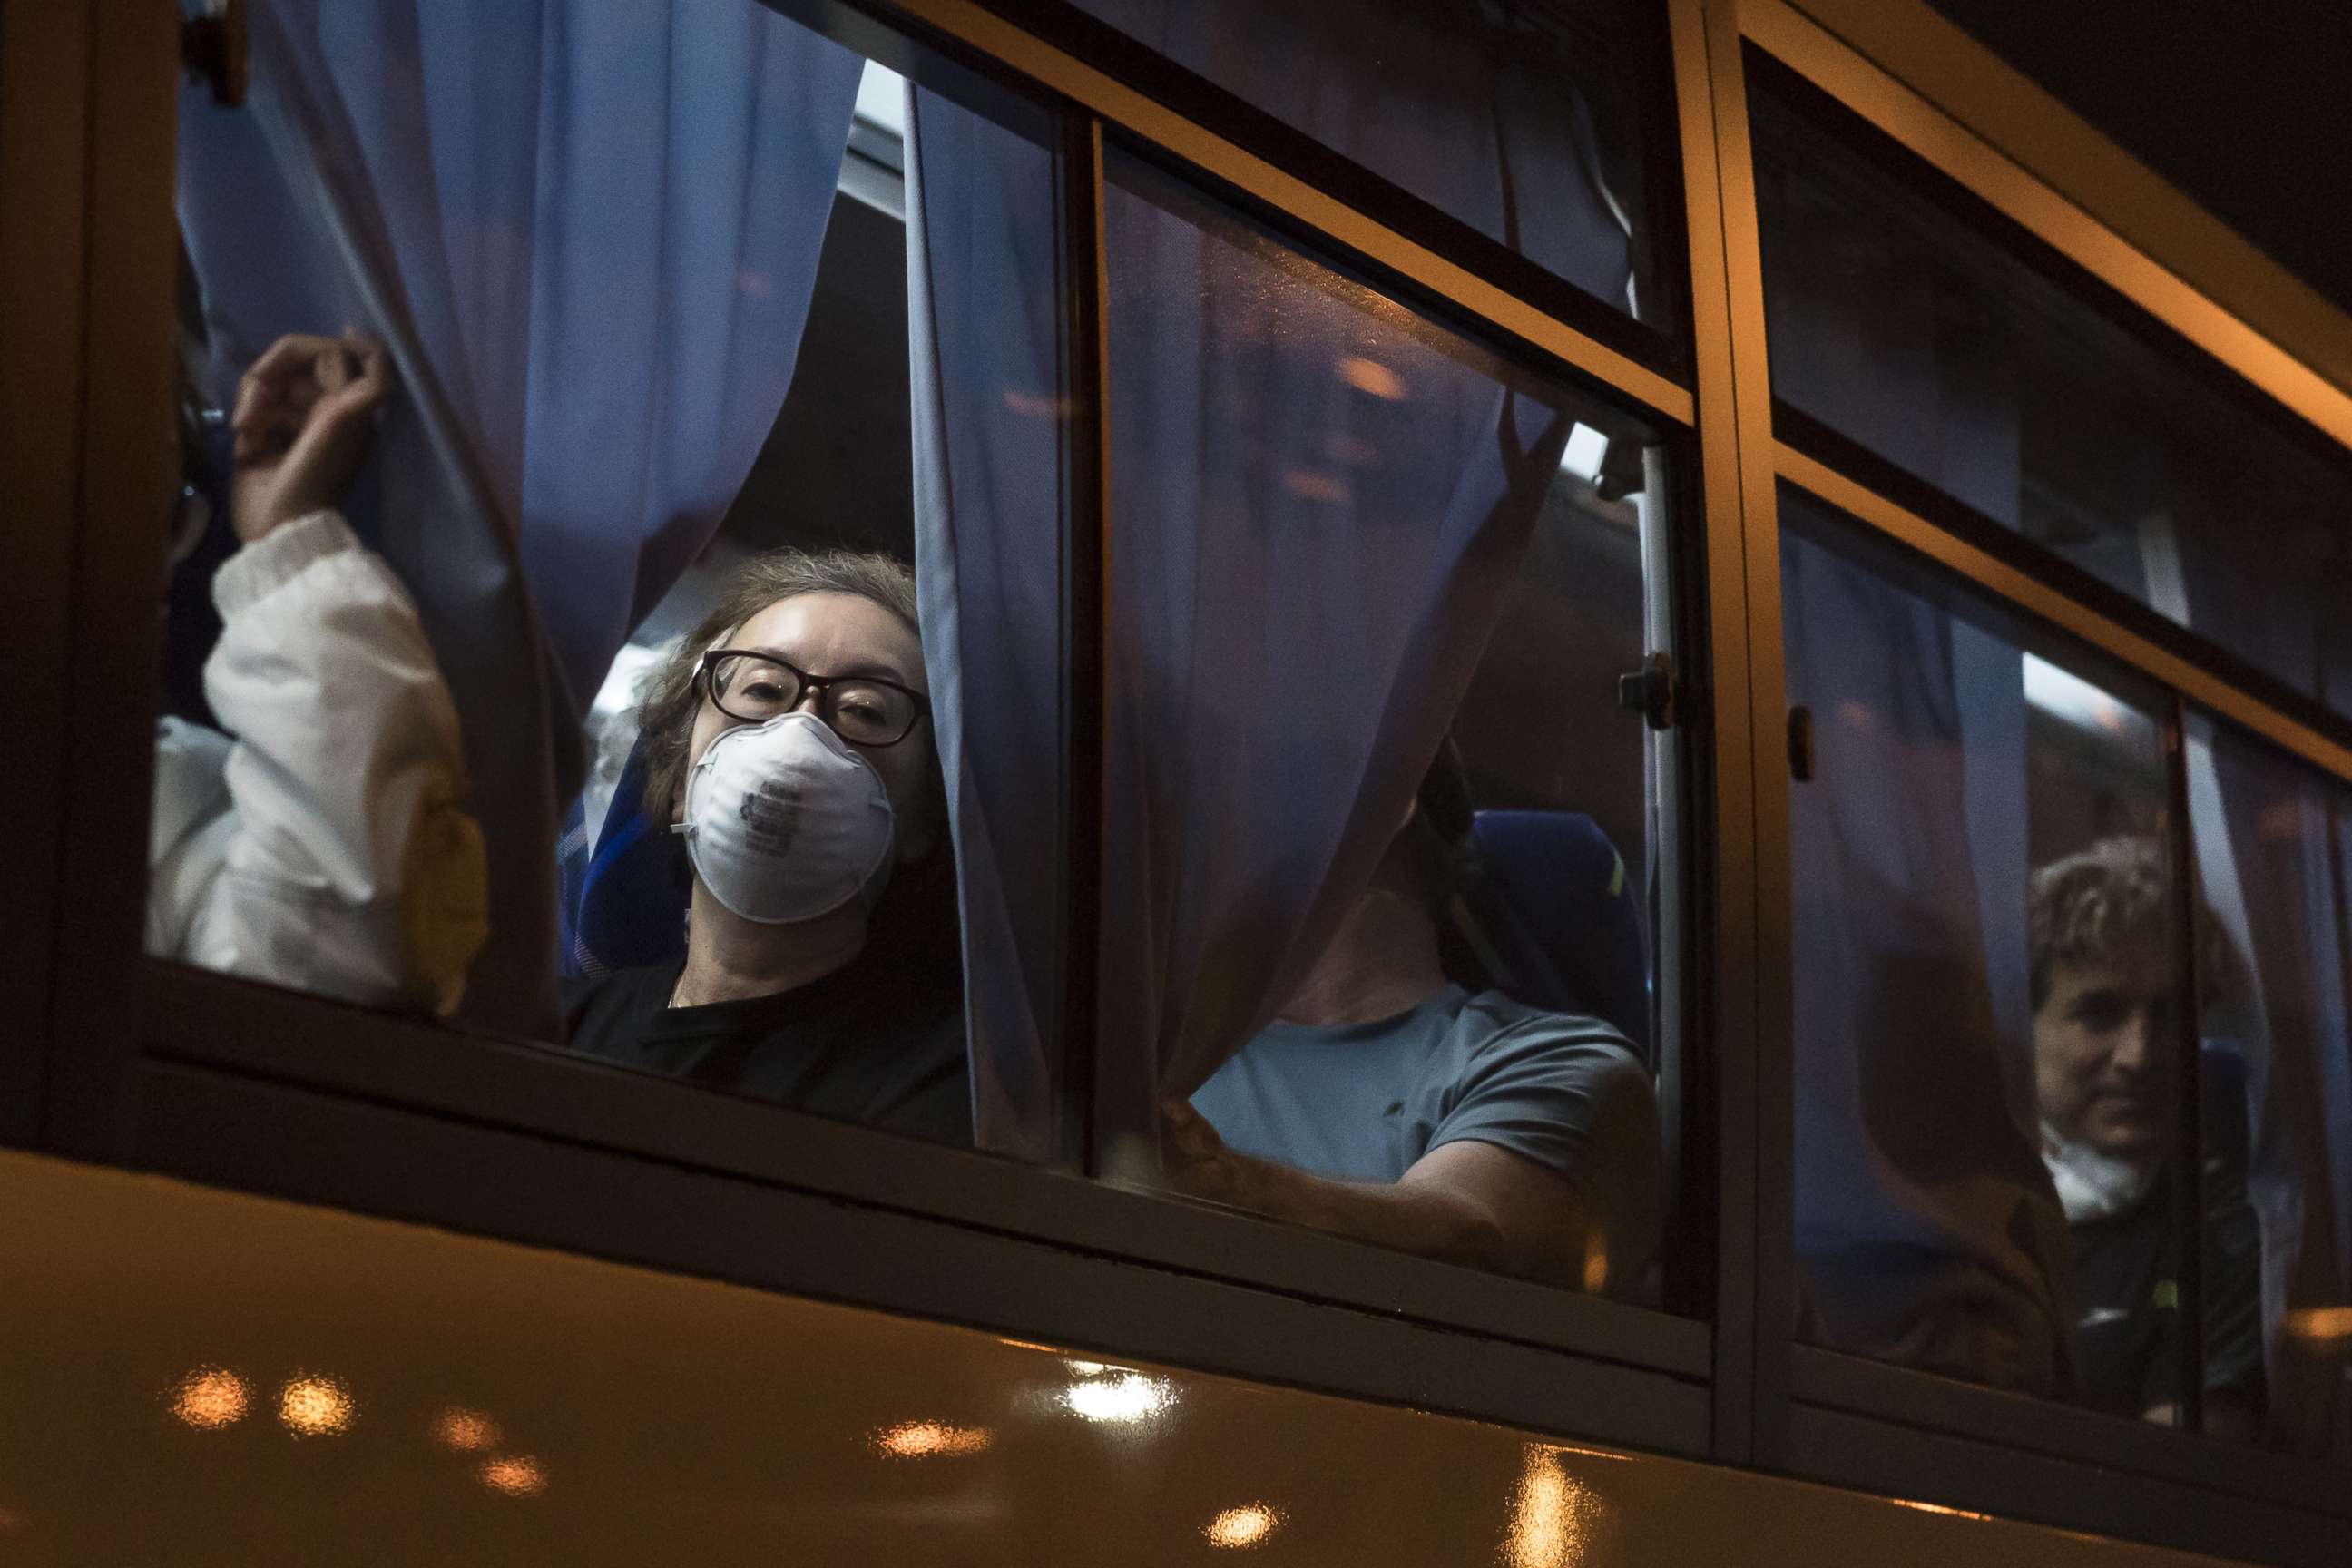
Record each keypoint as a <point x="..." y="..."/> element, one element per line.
<point x="863" y="710"/>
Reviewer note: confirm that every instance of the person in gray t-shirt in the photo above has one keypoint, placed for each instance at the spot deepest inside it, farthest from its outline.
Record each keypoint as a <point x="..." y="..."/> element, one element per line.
<point x="1388" y="1103"/>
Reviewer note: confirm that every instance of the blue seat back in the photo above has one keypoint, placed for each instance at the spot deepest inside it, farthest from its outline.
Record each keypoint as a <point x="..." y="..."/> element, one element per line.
<point x="624" y="903"/>
<point x="1552" y="912"/>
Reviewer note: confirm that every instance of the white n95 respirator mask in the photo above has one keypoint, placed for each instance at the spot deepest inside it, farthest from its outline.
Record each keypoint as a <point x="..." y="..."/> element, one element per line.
<point x="785" y="823"/>
<point x="2093" y="1186"/>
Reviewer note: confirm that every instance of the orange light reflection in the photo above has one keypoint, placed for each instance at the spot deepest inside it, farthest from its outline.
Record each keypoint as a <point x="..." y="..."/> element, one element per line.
<point x="1550" y="1511"/>
<point x="210" y="1398"/>
<point x="465" y="1431"/>
<point x="1596" y="1261"/>
<point x="1314" y="484"/>
<point x="931" y="1439"/>
<point x="1940" y="1507"/>
<point x="2320" y="1323"/>
<point x="1370" y="375"/>
<point x="517" y="1474"/>
<point x="315" y="1407"/>
<point x="1245" y="1526"/>
<point x="1031" y="405"/>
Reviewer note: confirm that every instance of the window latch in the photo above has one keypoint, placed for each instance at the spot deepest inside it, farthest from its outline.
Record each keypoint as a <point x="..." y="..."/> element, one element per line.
<point x="1650" y="691"/>
<point x="1801" y="744"/>
<point x="212" y="50"/>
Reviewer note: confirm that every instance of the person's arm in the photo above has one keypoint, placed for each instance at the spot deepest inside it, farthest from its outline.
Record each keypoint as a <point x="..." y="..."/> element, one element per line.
<point x="351" y="868"/>
<point x="1467" y="1201"/>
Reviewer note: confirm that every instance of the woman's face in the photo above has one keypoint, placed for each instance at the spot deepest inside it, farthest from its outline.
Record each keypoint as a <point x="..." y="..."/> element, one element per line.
<point x="836" y="634"/>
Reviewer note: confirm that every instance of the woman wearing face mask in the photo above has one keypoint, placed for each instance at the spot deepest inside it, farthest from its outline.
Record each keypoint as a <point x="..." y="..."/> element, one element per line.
<point x="788" y="741"/>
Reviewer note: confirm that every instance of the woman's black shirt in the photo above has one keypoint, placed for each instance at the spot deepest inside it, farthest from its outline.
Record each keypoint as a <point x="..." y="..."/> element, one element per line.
<point x="862" y="1044"/>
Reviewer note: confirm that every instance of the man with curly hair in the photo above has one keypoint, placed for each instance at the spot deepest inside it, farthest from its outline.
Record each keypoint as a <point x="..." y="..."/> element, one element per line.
<point x="2108" y="1067"/>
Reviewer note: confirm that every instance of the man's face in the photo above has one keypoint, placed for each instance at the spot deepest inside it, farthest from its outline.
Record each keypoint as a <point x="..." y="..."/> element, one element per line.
<point x="2103" y="1042"/>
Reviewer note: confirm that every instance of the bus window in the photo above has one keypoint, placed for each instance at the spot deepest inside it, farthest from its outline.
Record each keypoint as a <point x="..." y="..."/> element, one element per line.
<point x="589" y="387"/>
<point x="1991" y="1019"/>
<point x="1381" y="835"/>
<point x="2276" y="1063"/>
<point x="1533" y="124"/>
<point x="2052" y="411"/>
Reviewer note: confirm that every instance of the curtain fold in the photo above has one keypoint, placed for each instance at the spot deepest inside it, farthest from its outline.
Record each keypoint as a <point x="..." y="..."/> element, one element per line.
<point x="991" y="426"/>
<point x="1302" y="571"/>
<point x="1926" y="1222"/>
<point x="1472" y="106"/>
<point x="1317" y="503"/>
<point x="2269" y="847"/>
<point x="2266" y="838"/>
<point x="587" y="234"/>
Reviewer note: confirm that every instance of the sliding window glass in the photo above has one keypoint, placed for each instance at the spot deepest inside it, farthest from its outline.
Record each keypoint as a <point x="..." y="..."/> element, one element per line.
<point x="1911" y="327"/>
<point x="2276" y="1054"/>
<point x="615" y="588"/>
<point x="1541" y="124"/>
<point x="1992" y="1035"/>
<point x="1383" y="840"/>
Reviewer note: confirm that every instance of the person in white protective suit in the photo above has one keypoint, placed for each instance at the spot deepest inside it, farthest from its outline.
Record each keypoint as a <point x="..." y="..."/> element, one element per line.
<point x="323" y="843"/>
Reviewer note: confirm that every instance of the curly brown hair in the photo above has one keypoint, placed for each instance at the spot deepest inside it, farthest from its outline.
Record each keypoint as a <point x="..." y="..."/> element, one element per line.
<point x="2095" y="907"/>
<point x="667" y="702"/>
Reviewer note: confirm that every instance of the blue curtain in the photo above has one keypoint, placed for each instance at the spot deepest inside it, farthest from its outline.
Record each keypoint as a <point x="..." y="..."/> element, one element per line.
<point x="1927" y="1225"/>
<point x="1317" y="503"/>
<point x="2272" y="857"/>
<point x="588" y="233"/>
<point x="1470" y="106"/>
<point x="992" y="425"/>
<point x="2267" y="837"/>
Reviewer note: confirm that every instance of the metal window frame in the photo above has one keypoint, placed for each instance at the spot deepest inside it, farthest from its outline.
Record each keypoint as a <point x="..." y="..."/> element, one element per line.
<point x="1838" y="1418"/>
<point x="1859" y="1388"/>
<point x="187" y="1073"/>
<point x="45" y="130"/>
<point x="116" y="368"/>
<point x="1948" y="1472"/>
<point x="1743" y="664"/>
<point x="1950" y="101"/>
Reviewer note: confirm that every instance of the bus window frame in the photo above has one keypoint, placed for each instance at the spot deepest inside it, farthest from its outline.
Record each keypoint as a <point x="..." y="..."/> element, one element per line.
<point x="44" y="126"/>
<point x="1839" y="1417"/>
<point x="1810" y="448"/>
<point x="1618" y="1372"/>
<point x="1856" y="1387"/>
<point x="148" y="1064"/>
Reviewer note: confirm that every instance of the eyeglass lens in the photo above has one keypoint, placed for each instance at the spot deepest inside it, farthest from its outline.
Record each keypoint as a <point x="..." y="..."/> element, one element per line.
<point x="757" y="690"/>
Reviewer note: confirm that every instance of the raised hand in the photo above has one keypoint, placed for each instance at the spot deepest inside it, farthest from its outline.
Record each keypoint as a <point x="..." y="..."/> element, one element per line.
<point x="301" y="427"/>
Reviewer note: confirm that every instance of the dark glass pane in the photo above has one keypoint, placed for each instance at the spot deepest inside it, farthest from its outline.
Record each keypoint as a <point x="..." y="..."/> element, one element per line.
<point x="1380" y="832"/>
<point x="1530" y="120"/>
<point x="1989" y="1011"/>
<point x="2054" y="411"/>
<point x="2277" y="1109"/>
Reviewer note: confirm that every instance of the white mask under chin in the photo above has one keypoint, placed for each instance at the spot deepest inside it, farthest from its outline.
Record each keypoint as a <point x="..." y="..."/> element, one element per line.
<point x="784" y="823"/>
<point x="2093" y="1186"/>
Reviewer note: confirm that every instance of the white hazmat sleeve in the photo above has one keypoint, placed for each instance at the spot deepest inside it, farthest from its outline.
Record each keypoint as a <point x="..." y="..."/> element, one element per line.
<point x="327" y="845"/>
